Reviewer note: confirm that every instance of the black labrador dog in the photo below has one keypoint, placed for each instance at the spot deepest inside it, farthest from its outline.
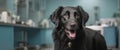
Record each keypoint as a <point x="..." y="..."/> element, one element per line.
<point x="70" y="32"/>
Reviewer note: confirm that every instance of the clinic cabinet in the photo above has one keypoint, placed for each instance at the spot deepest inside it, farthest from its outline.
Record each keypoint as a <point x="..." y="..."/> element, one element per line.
<point x="11" y="34"/>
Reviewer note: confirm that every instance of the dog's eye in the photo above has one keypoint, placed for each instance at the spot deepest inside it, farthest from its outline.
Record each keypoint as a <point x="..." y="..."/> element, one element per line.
<point x="76" y="15"/>
<point x="67" y="14"/>
<point x="63" y="19"/>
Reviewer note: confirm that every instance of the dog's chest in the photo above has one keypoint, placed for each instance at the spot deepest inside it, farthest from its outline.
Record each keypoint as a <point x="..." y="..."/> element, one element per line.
<point x="79" y="45"/>
<point x="76" y="46"/>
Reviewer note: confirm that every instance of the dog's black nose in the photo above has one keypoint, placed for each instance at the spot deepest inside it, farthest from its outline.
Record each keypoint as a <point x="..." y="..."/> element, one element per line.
<point x="72" y="24"/>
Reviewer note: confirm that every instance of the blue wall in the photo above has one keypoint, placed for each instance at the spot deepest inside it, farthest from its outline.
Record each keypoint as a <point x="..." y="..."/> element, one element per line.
<point x="6" y="38"/>
<point x="11" y="6"/>
<point x="107" y="7"/>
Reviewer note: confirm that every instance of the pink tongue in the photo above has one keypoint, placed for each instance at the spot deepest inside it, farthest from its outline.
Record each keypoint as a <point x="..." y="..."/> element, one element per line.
<point x="72" y="35"/>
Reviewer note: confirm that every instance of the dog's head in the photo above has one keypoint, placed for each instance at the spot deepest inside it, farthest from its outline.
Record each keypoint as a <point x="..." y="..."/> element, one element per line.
<point x="71" y="19"/>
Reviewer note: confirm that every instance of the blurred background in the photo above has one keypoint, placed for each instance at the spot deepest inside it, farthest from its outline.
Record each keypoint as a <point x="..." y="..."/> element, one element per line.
<point x="24" y="24"/>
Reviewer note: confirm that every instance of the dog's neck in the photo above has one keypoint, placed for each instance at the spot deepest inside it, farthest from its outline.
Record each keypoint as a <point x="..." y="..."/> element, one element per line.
<point x="79" y="39"/>
<point x="69" y="44"/>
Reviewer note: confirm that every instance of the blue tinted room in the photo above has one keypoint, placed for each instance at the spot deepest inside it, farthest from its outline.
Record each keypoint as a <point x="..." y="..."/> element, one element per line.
<point x="25" y="24"/>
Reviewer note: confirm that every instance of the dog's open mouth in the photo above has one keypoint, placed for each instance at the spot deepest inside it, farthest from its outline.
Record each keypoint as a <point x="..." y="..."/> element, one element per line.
<point x="71" y="34"/>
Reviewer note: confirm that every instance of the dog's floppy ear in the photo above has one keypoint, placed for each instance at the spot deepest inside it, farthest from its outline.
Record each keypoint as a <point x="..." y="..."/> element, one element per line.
<point x="55" y="16"/>
<point x="83" y="14"/>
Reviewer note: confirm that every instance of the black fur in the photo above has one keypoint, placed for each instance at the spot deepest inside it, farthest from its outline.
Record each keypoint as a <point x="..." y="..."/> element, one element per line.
<point x="86" y="39"/>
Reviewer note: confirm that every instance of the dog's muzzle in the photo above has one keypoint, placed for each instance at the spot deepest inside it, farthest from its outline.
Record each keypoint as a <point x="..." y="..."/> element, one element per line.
<point x="70" y="29"/>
